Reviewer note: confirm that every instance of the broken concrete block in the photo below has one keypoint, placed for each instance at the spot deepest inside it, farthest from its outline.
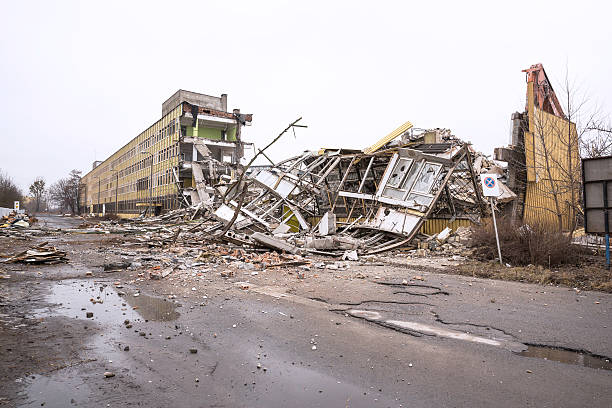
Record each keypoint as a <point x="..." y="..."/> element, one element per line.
<point x="327" y="226"/>
<point x="335" y="242"/>
<point x="282" y="229"/>
<point x="443" y="236"/>
<point x="274" y="243"/>
<point x="350" y="256"/>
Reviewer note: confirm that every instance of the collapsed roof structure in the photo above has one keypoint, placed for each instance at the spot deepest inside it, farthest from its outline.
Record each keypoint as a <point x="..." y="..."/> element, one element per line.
<point x="379" y="197"/>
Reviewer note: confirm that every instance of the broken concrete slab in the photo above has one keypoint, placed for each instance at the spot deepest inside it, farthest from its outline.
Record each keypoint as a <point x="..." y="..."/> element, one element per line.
<point x="327" y="225"/>
<point x="274" y="243"/>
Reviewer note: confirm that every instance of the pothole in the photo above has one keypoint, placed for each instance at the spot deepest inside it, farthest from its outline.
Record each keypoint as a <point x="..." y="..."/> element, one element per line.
<point x="568" y="356"/>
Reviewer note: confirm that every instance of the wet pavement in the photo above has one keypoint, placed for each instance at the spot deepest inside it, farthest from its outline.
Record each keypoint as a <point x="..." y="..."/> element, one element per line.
<point x="322" y="340"/>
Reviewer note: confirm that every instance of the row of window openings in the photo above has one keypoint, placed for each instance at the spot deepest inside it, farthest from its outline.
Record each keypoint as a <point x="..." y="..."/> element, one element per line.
<point x="158" y="136"/>
<point x="159" y="179"/>
<point x="167" y="203"/>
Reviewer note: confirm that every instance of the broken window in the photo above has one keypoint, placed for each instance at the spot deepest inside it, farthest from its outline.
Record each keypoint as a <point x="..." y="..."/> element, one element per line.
<point x="426" y="178"/>
<point x="399" y="172"/>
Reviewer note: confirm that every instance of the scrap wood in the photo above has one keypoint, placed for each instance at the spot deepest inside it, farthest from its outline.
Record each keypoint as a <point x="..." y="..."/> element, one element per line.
<point x="40" y="254"/>
<point x="36" y="247"/>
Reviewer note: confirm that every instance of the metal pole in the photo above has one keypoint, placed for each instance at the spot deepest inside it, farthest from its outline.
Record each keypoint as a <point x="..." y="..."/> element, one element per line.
<point x="151" y="188"/>
<point x="606" y="222"/>
<point x="98" y="193"/>
<point x="117" y="195"/>
<point x="496" y="236"/>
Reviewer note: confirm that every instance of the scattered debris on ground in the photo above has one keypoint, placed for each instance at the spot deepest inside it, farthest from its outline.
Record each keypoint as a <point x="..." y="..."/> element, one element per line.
<point x="40" y="254"/>
<point x="17" y="220"/>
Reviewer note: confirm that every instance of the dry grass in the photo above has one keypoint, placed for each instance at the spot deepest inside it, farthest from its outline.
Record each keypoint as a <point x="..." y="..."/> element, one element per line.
<point x="586" y="276"/>
<point x="523" y="244"/>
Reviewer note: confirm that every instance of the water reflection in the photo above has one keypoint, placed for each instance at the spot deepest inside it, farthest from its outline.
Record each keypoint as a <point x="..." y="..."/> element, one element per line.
<point x="153" y="308"/>
<point x="567" y="357"/>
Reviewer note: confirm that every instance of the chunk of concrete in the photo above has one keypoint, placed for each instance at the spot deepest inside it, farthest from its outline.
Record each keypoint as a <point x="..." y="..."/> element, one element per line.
<point x="444" y="234"/>
<point x="274" y="243"/>
<point x="350" y="256"/>
<point x="327" y="226"/>
<point x="335" y="242"/>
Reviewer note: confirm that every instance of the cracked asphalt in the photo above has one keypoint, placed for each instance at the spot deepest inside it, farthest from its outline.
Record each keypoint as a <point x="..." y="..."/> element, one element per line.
<point x="366" y="336"/>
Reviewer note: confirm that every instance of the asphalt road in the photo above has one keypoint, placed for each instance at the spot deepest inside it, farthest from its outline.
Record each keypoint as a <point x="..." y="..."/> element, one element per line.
<point x="58" y="221"/>
<point x="321" y="341"/>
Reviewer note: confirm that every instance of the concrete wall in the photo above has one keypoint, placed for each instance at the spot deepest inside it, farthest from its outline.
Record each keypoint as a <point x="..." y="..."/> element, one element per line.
<point x="206" y="101"/>
<point x="6" y="211"/>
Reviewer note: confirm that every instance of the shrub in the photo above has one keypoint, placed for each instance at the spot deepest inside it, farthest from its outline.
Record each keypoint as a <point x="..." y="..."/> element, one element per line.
<point x="523" y="244"/>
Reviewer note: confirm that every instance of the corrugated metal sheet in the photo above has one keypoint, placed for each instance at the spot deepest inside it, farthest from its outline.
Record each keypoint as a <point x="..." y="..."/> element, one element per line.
<point x="388" y="138"/>
<point x="540" y="206"/>
<point x="435" y="225"/>
<point x="547" y="156"/>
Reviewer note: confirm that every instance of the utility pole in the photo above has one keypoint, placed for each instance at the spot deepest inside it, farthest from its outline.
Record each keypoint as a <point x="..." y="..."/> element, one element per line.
<point x="116" y="190"/>
<point x="150" y="182"/>
<point x="117" y="195"/>
<point x="98" y="192"/>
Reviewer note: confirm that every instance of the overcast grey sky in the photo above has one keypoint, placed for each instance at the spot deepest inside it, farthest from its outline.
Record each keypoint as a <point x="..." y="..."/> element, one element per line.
<point x="80" y="79"/>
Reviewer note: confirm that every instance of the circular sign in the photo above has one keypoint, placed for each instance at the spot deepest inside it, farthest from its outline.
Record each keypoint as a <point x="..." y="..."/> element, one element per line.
<point x="489" y="182"/>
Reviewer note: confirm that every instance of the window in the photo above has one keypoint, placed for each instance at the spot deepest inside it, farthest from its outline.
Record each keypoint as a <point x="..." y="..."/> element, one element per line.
<point x="426" y="178"/>
<point x="399" y="172"/>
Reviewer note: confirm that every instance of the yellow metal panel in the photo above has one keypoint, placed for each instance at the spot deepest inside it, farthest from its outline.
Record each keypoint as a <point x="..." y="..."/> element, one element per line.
<point x="388" y="138"/>
<point x="434" y="225"/>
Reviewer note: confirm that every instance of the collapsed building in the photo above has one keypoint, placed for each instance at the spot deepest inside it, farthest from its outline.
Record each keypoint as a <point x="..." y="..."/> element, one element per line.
<point x="172" y="163"/>
<point x="369" y="200"/>
<point x="412" y="181"/>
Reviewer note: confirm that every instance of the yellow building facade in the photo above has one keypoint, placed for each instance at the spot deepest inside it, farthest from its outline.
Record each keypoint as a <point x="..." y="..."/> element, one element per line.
<point x="153" y="172"/>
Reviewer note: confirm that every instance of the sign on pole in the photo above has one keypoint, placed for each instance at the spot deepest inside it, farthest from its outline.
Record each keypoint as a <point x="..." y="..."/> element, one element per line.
<point x="490" y="188"/>
<point x="597" y="194"/>
<point x="16" y="205"/>
<point x="490" y="185"/>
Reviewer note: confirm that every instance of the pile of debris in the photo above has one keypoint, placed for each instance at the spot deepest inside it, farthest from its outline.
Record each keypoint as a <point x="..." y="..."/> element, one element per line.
<point x="40" y="254"/>
<point x="333" y="202"/>
<point x="446" y="242"/>
<point x="16" y="220"/>
<point x="344" y="203"/>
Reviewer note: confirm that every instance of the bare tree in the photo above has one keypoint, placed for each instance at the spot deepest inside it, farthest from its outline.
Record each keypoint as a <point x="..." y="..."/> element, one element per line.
<point x="37" y="189"/>
<point x="9" y="192"/>
<point x="597" y="142"/>
<point x="65" y="192"/>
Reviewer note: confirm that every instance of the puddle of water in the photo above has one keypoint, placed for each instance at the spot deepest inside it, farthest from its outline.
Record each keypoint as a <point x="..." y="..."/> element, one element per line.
<point x="75" y="299"/>
<point x="153" y="308"/>
<point x="55" y="392"/>
<point x="567" y="357"/>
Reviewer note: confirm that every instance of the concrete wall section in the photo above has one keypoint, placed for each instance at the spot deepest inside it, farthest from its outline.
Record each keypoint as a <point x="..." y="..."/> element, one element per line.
<point x="194" y="98"/>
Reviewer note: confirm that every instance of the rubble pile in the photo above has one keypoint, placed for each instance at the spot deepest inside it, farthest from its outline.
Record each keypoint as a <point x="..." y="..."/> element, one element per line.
<point x="40" y="254"/>
<point x="340" y="203"/>
<point x="447" y="243"/>
<point x="16" y="220"/>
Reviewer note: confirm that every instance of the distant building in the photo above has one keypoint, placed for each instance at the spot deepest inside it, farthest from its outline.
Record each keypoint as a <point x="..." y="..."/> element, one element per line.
<point x="156" y="168"/>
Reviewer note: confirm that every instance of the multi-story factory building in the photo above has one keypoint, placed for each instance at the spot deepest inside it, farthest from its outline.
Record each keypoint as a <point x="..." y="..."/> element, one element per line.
<point x="170" y="164"/>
